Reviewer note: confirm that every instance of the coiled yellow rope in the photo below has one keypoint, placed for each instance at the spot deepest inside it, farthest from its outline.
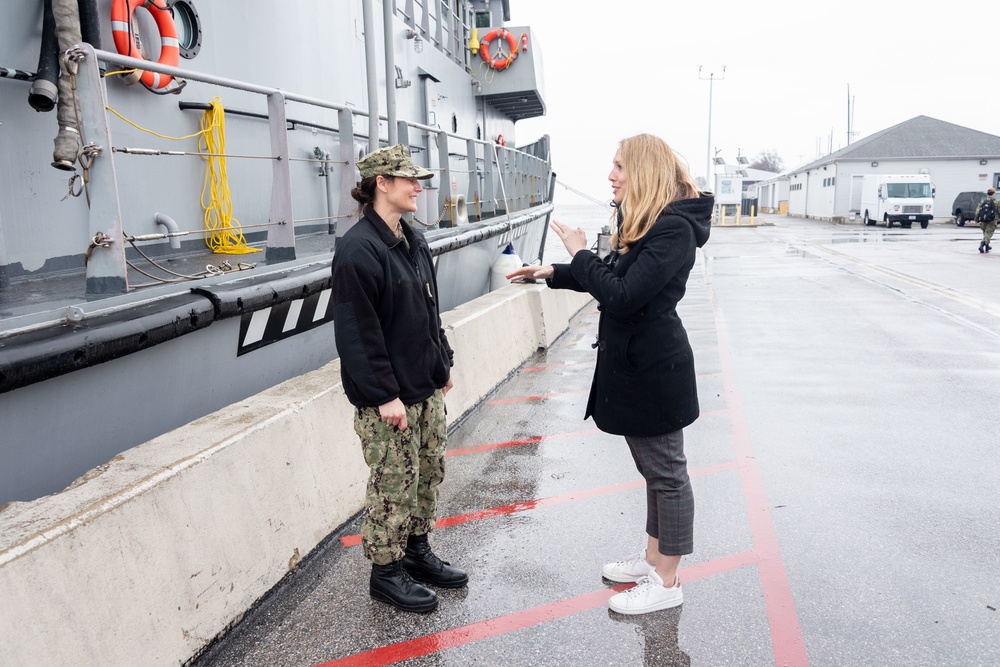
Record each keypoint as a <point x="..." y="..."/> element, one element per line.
<point x="226" y="234"/>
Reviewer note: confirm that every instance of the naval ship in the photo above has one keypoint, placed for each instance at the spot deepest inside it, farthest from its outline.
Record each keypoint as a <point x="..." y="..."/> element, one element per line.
<point x="175" y="176"/>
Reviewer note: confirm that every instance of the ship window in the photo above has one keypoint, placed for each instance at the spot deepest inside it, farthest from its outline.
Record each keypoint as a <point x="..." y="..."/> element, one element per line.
<point x="479" y="132"/>
<point x="482" y="19"/>
<point x="188" y="28"/>
<point x="454" y="123"/>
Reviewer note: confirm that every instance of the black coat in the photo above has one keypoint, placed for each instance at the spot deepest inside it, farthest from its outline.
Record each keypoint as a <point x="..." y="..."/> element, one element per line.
<point x="644" y="382"/>
<point x="385" y="315"/>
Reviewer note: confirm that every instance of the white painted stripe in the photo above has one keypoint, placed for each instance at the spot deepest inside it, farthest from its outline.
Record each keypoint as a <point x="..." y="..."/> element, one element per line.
<point x="170" y="41"/>
<point x="293" y="315"/>
<point x="321" y="305"/>
<point x="255" y="332"/>
<point x="119" y="26"/>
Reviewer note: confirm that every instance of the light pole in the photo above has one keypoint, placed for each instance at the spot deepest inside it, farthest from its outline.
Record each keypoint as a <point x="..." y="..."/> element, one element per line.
<point x="711" y="78"/>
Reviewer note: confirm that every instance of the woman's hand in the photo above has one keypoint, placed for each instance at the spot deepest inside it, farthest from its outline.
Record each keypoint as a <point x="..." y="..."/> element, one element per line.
<point x="575" y="240"/>
<point x="526" y="272"/>
<point x="393" y="413"/>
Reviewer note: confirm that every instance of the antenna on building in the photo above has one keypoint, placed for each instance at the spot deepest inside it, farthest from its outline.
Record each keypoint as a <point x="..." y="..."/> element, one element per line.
<point x="850" y="116"/>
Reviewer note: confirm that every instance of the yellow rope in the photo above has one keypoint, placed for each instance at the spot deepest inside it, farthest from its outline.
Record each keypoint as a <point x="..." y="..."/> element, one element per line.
<point x="156" y="134"/>
<point x="121" y="71"/>
<point x="226" y="235"/>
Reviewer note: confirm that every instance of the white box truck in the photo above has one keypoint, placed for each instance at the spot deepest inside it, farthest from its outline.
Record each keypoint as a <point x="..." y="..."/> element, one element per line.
<point x="897" y="198"/>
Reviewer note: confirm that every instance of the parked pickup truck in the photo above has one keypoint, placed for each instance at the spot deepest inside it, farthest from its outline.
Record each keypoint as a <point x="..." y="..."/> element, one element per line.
<point x="965" y="205"/>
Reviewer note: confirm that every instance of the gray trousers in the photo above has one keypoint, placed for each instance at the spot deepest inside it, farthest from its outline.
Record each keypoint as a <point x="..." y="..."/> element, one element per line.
<point x="669" y="499"/>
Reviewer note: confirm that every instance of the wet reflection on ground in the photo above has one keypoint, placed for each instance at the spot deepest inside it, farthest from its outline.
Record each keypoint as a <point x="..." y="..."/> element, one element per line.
<point x="659" y="630"/>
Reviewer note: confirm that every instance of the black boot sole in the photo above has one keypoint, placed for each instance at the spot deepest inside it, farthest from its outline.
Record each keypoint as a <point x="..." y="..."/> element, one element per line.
<point x="419" y="609"/>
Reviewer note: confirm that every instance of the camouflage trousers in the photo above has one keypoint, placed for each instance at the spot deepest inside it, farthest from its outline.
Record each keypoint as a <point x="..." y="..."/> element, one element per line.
<point x="988" y="229"/>
<point x="406" y="468"/>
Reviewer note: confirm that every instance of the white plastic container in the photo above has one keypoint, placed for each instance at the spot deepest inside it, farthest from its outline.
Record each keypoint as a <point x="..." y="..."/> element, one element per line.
<point x="507" y="262"/>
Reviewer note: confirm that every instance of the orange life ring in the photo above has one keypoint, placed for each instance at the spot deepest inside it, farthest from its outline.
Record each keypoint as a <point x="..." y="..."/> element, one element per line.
<point x="500" y="140"/>
<point x="499" y="62"/>
<point x="127" y="43"/>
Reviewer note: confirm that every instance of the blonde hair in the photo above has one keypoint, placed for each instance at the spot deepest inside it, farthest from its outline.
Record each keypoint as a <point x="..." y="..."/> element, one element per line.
<point x="655" y="178"/>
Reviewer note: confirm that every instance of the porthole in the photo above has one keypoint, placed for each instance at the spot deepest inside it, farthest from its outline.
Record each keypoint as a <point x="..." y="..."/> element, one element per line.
<point x="188" y="28"/>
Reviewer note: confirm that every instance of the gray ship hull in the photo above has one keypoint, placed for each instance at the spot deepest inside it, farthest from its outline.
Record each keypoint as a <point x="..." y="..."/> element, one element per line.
<point x="117" y="323"/>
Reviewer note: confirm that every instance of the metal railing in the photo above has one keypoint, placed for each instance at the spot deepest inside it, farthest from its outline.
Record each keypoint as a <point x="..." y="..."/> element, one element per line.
<point x="500" y="179"/>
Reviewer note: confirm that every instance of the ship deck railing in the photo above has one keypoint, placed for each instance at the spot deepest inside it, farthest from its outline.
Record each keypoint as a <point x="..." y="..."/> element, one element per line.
<point x="500" y="179"/>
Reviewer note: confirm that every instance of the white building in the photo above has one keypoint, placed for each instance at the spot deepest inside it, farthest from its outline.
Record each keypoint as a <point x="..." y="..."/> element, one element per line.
<point x="957" y="159"/>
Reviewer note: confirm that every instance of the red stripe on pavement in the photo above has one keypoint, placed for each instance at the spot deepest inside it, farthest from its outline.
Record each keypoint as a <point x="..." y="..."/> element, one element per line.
<point x="539" y="397"/>
<point x="524" y="506"/>
<point x="493" y="627"/>
<point x="467" y="634"/>
<point x="786" y="634"/>
<point x="516" y="443"/>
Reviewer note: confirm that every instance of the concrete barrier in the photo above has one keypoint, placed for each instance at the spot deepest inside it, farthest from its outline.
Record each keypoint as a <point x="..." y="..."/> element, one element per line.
<point x="150" y="556"/>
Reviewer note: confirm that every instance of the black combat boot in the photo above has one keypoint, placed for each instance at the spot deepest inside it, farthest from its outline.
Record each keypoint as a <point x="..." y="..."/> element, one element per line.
<point x="424" y="566"/>
<point x="391" y="584"/>
<point x="982" y="246"/>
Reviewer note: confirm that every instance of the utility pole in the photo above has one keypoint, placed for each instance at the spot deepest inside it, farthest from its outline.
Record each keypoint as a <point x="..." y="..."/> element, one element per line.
<point x="711" y="78"/>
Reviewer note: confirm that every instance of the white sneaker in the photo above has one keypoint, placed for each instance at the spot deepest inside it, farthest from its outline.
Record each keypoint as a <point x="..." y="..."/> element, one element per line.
<point x="649" y="594"/>
<point x="626" y="571"/>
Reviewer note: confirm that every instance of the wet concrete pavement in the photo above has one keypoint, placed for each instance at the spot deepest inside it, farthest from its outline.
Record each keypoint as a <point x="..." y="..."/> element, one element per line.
<point x="845" y="470"/>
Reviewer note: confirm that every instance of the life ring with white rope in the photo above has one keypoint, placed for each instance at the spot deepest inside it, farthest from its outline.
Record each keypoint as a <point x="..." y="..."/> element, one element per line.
<point x="127" y="42"/>
<point x="500" y="61"/>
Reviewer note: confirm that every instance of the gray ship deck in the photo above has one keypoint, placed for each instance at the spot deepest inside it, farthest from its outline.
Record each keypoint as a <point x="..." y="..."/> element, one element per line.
<point x="844" y="469"/>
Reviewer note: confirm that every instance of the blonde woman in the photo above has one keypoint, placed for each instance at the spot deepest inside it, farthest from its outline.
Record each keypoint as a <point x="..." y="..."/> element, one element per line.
<point x="644" y="382"/>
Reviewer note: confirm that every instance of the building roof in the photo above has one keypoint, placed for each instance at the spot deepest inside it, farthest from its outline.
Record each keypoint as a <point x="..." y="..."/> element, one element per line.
<point x="920" y="137"/>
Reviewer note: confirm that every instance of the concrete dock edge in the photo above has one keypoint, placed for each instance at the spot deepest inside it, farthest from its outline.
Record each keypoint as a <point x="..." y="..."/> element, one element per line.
<point x="155" y="553"/>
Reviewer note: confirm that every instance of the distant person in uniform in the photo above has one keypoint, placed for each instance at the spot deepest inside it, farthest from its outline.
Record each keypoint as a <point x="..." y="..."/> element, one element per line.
<point x="644" y="383"/>
<point x="986" y="216"/>
<point x="395" y="364"/>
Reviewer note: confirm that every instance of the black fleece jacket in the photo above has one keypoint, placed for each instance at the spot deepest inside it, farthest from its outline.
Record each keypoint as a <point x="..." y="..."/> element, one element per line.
<point x="386" y="320"/>
<point x="644" y="382"/>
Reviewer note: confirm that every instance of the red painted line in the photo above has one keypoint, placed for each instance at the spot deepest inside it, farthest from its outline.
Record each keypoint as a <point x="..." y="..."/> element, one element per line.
<point x="524" y="506"/>
<point x="534" y="369"/>
<point x="474" y="632"/>
<point x="786" y="634"/>
<point x="519" y="442"/>
<point x="711" y="568"/>
<point x="440" y="641"/>
<point x="539" y="397"/>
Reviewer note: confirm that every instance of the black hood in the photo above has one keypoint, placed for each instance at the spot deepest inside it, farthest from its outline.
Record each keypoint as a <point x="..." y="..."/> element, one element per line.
<point x="698" y="212"/>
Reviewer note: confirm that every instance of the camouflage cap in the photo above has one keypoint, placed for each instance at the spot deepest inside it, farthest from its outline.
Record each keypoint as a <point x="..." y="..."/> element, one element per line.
<point x="391" y="161"/>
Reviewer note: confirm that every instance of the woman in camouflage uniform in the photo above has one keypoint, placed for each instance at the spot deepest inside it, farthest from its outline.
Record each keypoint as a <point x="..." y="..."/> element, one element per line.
<point x="395" y="364"/>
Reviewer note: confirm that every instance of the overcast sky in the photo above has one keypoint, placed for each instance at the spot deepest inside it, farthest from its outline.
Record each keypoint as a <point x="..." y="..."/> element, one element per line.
<point x="631" y="66"/>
